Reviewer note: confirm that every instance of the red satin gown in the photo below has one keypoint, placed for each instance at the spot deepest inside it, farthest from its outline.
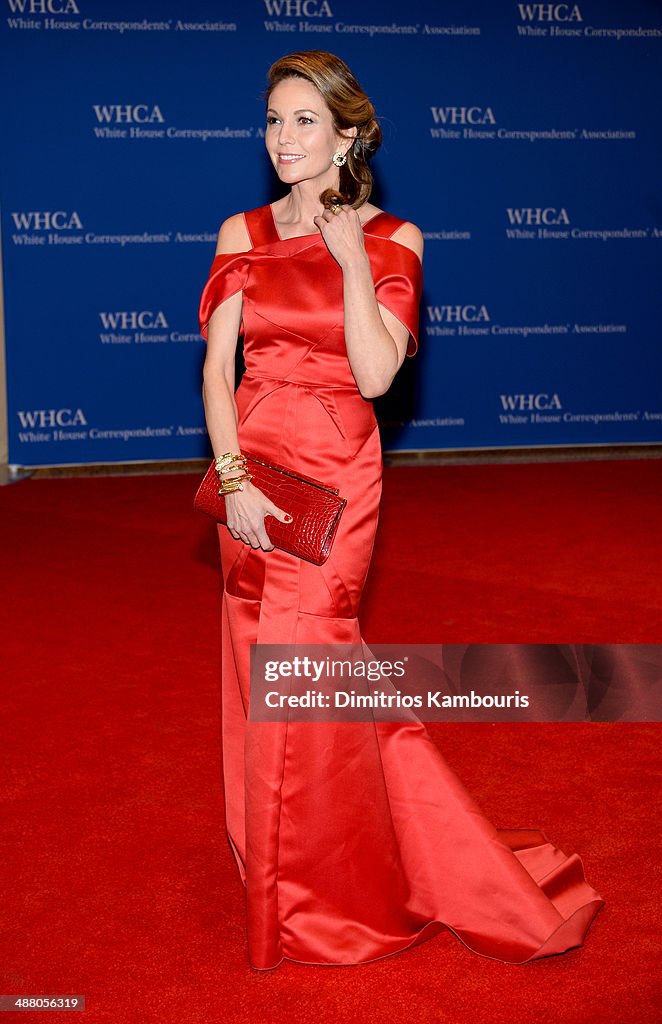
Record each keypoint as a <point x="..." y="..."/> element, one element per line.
<point x="354" y="840"/>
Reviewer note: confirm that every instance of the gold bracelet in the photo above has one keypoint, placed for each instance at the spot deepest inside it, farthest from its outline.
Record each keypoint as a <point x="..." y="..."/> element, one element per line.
<point x="227" y="457"/>
<point x="231" y="469"/>
<point x="234" y="484"/>
<point x="229" y="463"/>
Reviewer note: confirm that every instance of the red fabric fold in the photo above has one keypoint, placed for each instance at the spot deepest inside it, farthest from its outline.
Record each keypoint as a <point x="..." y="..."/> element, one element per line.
<point x="399" y="289"/>
<point x="228" y="275"/>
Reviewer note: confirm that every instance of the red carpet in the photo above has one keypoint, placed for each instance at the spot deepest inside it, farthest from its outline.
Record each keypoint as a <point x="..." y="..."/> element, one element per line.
<point x="119" y="881"/>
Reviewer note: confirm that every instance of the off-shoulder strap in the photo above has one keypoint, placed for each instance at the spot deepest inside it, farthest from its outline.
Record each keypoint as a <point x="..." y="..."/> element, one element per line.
<point x="399" y="281"/>
<point x="383" y="224"/>
<point x="228" y="274"/>
<point x="261" y="226"/>
<point x="399" y="287"/>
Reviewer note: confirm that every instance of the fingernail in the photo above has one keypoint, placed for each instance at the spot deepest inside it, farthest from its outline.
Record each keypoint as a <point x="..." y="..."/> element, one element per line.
<point x="288" y="519"/>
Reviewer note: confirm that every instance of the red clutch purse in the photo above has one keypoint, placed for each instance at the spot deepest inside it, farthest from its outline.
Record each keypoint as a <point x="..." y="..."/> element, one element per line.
<point x="315" y="507"/>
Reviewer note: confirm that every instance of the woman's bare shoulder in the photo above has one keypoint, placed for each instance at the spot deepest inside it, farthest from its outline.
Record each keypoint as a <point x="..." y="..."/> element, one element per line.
<point x="410" y="235"/>
<point x="233" y="235"/>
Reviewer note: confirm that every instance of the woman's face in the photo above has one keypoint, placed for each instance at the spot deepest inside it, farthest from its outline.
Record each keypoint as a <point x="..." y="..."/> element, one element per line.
<point x="299" y="134"/>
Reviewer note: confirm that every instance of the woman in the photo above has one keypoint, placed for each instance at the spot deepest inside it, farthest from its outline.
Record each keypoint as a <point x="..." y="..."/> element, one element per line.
<point x="354" y="840"/>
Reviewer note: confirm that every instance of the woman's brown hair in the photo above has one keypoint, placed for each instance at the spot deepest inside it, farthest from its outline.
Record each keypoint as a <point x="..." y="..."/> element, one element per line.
<point x="350" y="108"/>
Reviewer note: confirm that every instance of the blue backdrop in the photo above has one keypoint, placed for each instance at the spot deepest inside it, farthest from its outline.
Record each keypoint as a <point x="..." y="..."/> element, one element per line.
<point x="522" y="138"/>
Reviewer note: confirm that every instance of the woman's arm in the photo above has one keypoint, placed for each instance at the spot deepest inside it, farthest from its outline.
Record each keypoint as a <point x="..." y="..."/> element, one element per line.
<point x="376" y="340"/>
<point x="247" y="508"/>
<point x="218" y="373"/>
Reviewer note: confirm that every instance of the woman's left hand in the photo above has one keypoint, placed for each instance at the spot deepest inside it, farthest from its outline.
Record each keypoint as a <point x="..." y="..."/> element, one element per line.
<point x="343" y="234"/>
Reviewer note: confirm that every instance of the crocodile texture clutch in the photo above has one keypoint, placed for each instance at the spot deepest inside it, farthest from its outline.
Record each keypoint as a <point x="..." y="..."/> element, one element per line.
<point x="315" y="507"/>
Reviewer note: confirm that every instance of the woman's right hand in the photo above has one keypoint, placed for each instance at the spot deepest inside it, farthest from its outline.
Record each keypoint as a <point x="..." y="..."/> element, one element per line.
<point x="245" y="512"/>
